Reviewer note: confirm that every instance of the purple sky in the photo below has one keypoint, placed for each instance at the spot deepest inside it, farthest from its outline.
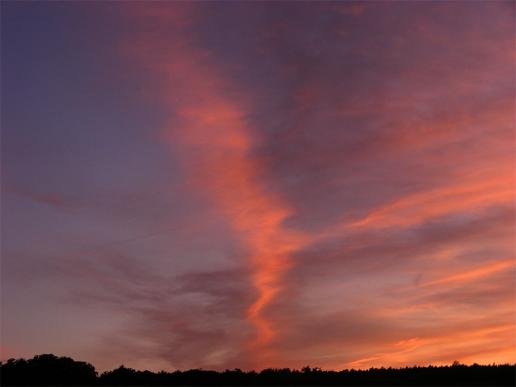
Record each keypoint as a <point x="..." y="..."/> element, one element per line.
<point x="255" y="184"/>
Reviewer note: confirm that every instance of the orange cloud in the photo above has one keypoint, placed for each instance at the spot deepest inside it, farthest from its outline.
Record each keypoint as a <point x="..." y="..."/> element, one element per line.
<point x="214" y="132"/>
<point x="475" y="274"/>
<point x="444" y="349"/>
<point x="229" y="175"/>
<point x="420" y="207"/>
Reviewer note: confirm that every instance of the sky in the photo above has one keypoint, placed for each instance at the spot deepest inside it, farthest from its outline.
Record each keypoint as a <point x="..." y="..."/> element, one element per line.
<point x="258" y="184"/>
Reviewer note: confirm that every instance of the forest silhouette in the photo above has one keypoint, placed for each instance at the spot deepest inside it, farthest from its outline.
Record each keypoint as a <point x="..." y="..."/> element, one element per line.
<point x="48" y="369"/>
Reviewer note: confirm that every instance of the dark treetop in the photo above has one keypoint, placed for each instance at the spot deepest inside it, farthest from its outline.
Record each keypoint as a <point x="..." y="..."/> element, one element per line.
<point x="59" y="371"/>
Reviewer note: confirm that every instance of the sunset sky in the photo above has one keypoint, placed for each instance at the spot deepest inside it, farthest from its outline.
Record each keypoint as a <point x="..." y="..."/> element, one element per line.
<point x="258" y="184"/>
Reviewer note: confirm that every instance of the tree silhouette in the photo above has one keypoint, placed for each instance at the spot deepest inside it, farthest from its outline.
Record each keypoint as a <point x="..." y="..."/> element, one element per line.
<point x="44" y="370"/>
<point x="47" y="369"/>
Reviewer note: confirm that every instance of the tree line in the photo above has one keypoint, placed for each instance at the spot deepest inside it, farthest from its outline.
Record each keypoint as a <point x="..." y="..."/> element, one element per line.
<point x="46" y="370"/>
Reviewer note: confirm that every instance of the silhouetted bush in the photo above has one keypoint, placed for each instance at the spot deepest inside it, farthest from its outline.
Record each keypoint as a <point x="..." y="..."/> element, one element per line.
<point x="52" y="370"/>
<point x="47" y="370"/>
